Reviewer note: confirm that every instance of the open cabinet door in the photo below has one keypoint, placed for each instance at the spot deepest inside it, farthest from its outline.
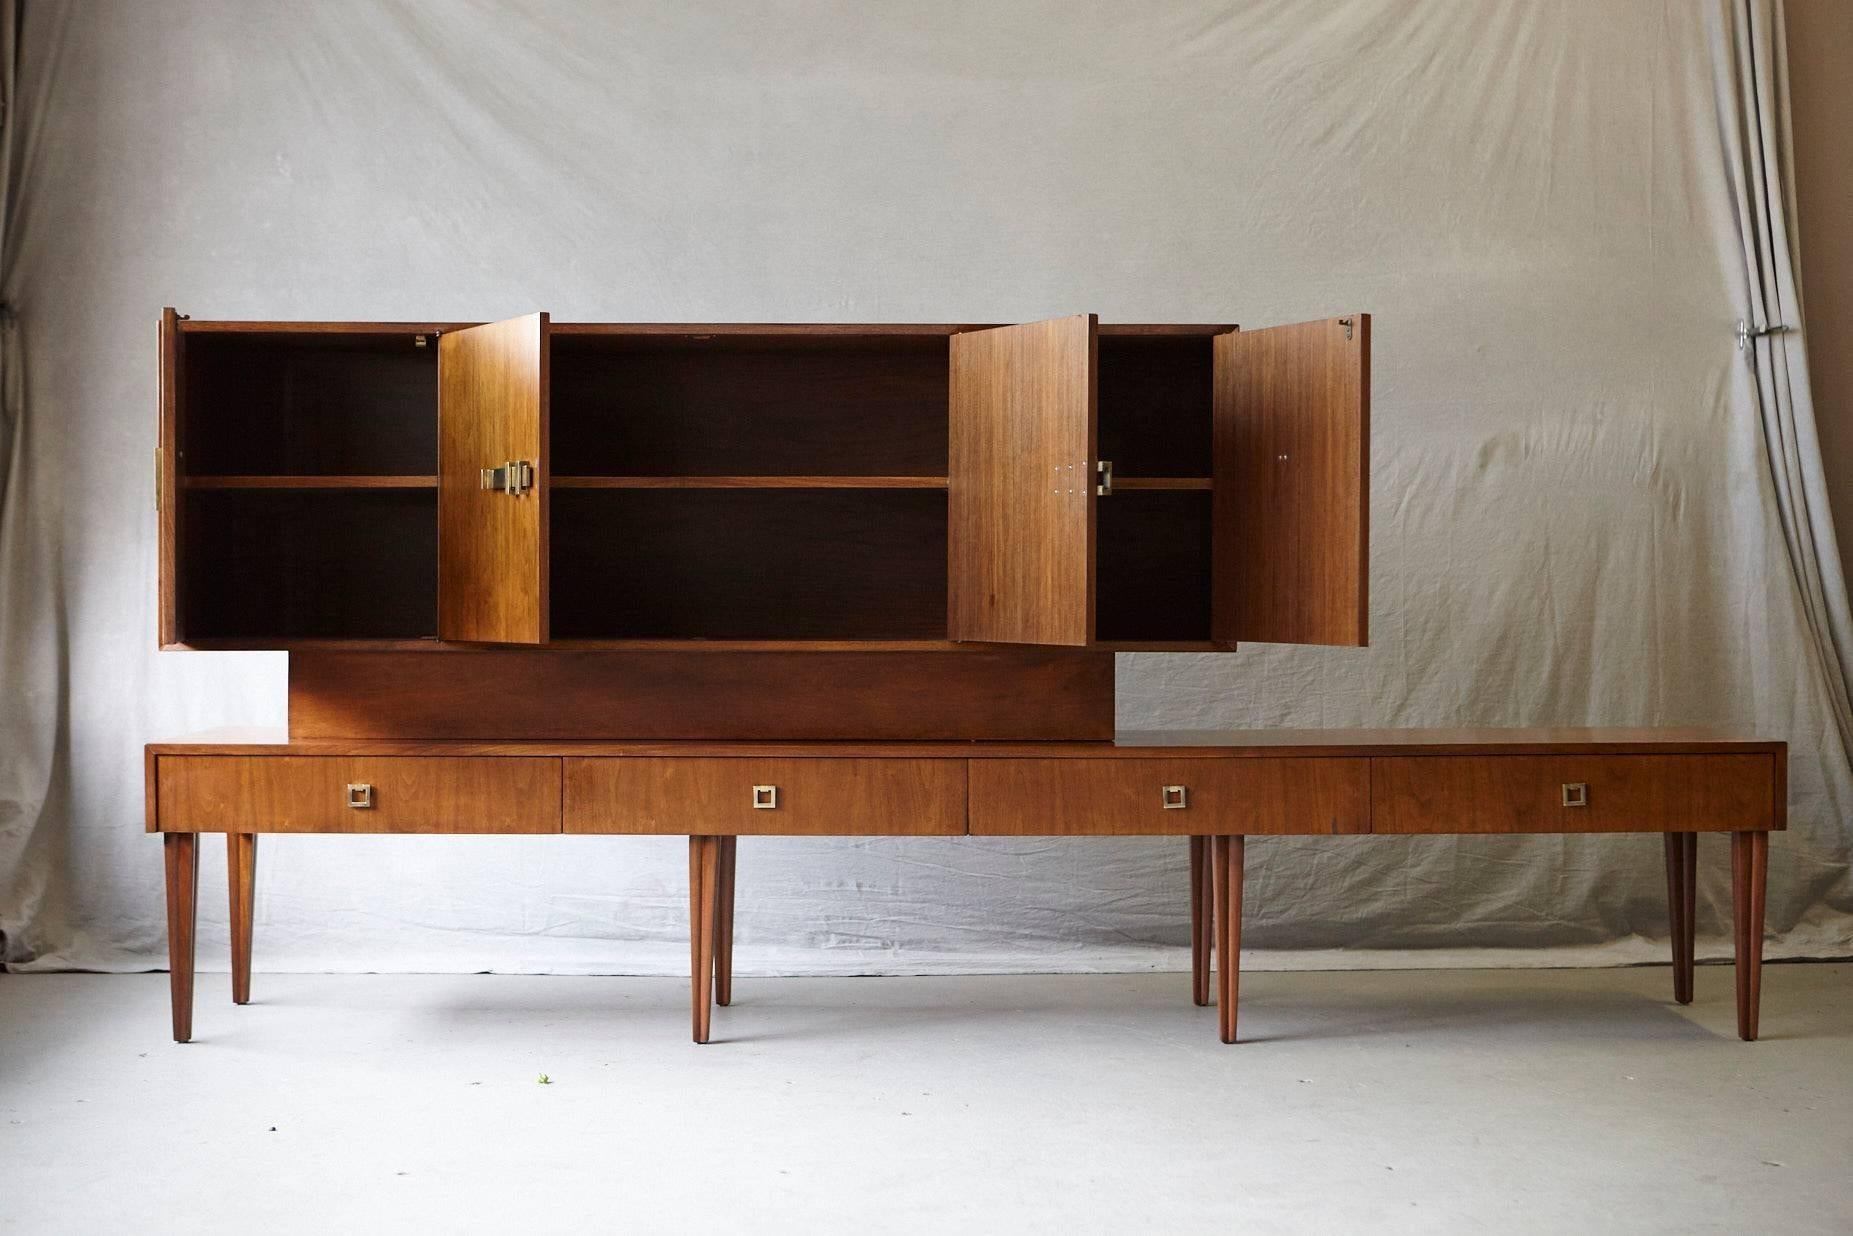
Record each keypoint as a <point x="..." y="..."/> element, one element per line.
<point x="492" y="482"/>
<point x="1291" y="538"/>
<point x="1020" y="484"/>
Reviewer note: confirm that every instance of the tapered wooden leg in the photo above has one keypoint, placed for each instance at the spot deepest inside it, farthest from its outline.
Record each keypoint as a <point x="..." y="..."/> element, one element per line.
<point x="182" y="857"/>
<point x="701" y="888"/>
<point x="723" y="923"/>
<point x="241" y="878"/>
<point x="1749" y="876"/>
<point x="1682" y="906"/>
<point x="1201" y="915"/>
<point x="1226" y="870"/>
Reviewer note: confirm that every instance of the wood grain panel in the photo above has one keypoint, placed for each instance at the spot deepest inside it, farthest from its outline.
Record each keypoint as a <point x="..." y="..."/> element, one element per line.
<point x="1020" y="483"/>
<point x="1524" y="793"/>
<point x="308" y="794"/>
<point x="492" y="548"/>
<point x="1291" y="479"/>
<point x="544" y="694"/>
<point x="171" y="352"/>
<point x="815" y="797"/>
<point x="1065" y="798"/>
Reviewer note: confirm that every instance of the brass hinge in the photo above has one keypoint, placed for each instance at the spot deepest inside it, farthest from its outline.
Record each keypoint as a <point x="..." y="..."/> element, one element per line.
<point x="1104" y="468"/>
<point x="513" y="478"/>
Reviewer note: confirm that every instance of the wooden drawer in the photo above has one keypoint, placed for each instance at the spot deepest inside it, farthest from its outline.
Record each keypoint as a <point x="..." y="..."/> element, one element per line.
<point x="1526" y="793"/>
<point x="702" y="796"/>
<point x="1072" y="797"/>
<point x="309" y="794"/>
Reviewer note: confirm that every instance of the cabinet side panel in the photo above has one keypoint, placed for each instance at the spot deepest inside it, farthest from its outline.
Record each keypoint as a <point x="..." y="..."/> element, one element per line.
<point x="167" y="483"/>
<point x="1054" y="695"/>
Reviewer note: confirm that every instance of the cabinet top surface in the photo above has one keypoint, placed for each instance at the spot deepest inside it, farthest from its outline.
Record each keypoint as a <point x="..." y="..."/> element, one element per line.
<point x="719" y="329"/>
<point x="1126" y="744"/>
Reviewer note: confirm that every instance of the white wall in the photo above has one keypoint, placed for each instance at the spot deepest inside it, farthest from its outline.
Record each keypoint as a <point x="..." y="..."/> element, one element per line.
<point x="1570" y="517"/>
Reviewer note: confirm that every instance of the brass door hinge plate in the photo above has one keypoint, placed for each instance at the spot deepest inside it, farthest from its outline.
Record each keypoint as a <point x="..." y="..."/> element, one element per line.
<point x="514" y="478"/>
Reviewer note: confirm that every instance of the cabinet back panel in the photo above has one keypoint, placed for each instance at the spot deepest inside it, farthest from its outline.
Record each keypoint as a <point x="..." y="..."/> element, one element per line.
<point x="749" y="564"/>
<point x="313" y="405"/>
<point x="1152" y="566"/>
<point x="735" y="406"/>
<point x="310" y="564"/>
<point x="1155" y="395"/>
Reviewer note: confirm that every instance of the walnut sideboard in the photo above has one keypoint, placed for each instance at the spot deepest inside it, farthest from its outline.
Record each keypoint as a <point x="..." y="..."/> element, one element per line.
<point x="1216" y="789"/>
<point x="735" y="579"/>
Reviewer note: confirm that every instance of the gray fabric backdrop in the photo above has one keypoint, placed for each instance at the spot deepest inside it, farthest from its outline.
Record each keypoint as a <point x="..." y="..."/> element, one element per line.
<point x="1572" y="511"/>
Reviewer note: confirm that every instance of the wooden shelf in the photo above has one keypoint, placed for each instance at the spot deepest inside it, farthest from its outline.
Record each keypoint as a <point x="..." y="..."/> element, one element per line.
<point x="749" y="482"/>
<point x="309" y="482"/>
<point x="1161" y="482"/>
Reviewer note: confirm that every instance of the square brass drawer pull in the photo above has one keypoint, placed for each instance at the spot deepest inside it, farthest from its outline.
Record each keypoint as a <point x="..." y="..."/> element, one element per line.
<point x="1176" y="797"/>
<point x="1575" y="794"/>
<point x="765" y="797"/>
<point x="360" y="796"/>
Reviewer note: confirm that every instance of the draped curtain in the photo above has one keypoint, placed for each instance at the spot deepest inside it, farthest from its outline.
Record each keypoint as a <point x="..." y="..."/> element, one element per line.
<point x="32" y="637"/>
<point x="1588" y="506"/>
<point x="1751" y="71"/>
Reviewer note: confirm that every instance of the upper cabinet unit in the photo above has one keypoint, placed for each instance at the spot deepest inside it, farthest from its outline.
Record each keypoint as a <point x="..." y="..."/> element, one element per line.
<point x="885" y="487"/>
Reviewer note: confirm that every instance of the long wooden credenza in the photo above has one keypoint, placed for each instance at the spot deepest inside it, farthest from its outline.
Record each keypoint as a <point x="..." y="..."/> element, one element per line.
<point x="1216" y="789"/>
<point x="736" y="579"/>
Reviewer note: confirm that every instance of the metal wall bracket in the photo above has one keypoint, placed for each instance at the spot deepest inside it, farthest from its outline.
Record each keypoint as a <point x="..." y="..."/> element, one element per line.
<point x="1746" y="332"/>
<point x="1349" y="324"/>
<point x="514" y="478"/>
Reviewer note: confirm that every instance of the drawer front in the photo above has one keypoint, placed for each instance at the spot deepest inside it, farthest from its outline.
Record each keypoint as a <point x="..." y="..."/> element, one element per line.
<point x="731" y="797"/>
<point x="1076" y="797"/>
<point x="1528" y="793"/>
<point x="390" y="794"/>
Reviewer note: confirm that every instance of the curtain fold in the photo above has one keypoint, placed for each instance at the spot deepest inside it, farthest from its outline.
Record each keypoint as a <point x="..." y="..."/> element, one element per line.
<point x="32" y="638"/>
<point x="1751" y="74"/>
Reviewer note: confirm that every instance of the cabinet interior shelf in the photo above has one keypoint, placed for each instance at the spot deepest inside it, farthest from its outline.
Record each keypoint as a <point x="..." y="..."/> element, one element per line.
<point x="749" y="482"/>
<point x="310" y="482"/>
<point x="1162" y="482"/>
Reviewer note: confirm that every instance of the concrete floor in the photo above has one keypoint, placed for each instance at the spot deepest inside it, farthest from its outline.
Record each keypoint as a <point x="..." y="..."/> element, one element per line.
<point x="1546" y="1101"/>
